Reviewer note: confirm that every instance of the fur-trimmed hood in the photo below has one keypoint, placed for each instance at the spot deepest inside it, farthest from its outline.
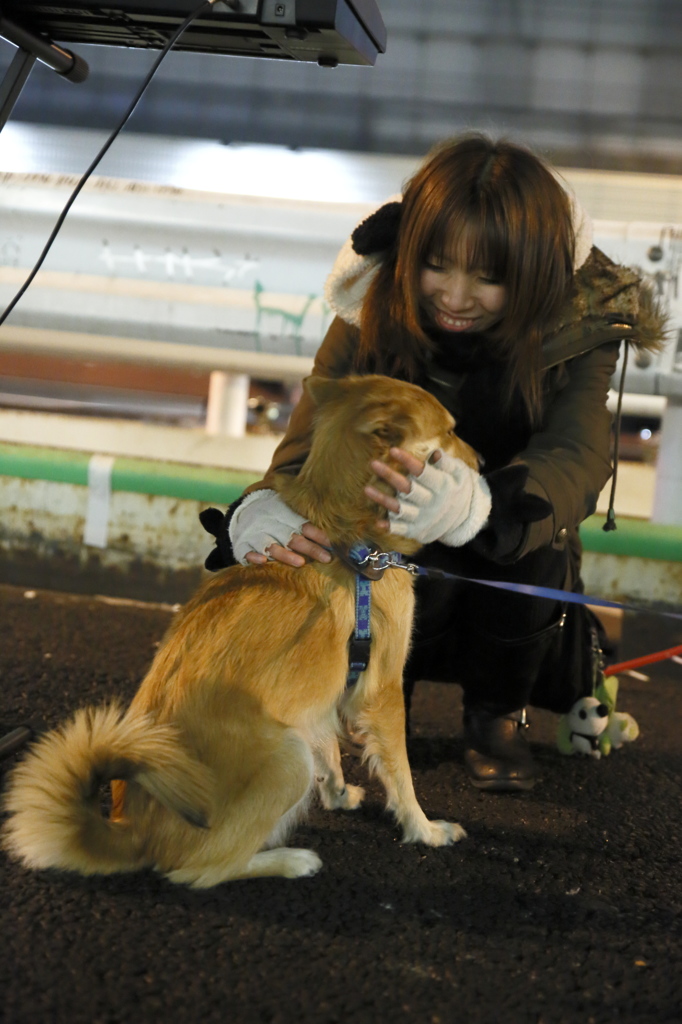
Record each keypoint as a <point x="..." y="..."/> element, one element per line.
<point x="610" y="300"/>
<point x="604" y="290"/>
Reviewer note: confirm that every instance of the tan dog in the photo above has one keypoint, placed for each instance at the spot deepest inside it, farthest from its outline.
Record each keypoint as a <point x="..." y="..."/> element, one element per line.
<point x="243" y="703"/>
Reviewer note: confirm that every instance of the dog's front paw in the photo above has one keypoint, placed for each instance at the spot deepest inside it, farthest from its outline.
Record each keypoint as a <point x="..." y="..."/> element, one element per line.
<point x="435" y="833"/>
<point x="299" y="863"/>
<point x="353" y="797"/>
<point x="347" y="799"/>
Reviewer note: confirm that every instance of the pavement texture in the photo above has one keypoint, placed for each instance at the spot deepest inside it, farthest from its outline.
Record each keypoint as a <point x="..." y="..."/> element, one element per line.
<point x="563" y="905"/>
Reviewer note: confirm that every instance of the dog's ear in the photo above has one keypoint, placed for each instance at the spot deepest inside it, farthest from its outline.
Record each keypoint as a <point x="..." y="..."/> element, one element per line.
<point x="386" y="419"/>
<point x="322" y="389"/>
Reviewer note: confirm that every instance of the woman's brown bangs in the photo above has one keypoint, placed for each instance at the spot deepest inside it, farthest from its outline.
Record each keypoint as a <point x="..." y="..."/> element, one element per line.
<point x="474" y="238"/>
<point x="488" y="245"/>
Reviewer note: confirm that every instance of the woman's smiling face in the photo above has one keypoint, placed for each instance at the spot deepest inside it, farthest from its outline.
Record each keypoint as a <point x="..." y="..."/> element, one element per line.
<point x="456" y="298"/>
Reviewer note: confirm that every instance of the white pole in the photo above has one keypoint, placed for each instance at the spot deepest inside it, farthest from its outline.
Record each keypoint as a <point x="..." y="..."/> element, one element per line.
<point x="228" y="396"/>
<point x="667" y="506"/>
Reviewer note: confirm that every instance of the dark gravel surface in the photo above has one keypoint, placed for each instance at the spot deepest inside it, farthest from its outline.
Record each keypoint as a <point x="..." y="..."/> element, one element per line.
<point x="562" y="907"/>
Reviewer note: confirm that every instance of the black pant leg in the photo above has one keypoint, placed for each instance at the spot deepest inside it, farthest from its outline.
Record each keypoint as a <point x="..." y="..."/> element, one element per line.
<point x="491" y="641"/>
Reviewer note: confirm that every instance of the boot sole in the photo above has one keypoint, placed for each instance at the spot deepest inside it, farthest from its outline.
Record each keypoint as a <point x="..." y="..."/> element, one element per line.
<point x="501" y="786"/>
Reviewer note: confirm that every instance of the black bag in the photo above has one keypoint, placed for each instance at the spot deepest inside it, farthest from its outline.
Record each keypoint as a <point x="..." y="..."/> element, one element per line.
<point x="574" y="662"/>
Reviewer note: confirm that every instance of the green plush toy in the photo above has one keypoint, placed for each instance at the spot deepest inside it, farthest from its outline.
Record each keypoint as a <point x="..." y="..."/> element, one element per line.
<point x="593" y="726"/>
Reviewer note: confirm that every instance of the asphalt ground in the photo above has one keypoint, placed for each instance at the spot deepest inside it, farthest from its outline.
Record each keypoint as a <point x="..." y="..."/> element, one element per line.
<point x="563" y="905"/>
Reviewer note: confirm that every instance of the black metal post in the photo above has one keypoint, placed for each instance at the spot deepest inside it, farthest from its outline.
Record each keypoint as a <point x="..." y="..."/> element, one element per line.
<point x="31" y="48"/>
<point x="13" y="83"/>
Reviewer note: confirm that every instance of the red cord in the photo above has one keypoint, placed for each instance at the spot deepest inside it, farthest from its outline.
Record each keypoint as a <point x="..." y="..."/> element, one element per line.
<point x="646" y="659"/>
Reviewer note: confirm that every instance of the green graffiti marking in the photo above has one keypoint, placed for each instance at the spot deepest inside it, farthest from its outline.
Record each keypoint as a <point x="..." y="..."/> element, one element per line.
<point x="290" y="323"/>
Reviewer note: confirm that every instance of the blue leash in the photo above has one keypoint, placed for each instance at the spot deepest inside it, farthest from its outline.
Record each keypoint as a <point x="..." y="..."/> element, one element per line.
<point x="381" y="560"/>
<point x="372" y="561"/>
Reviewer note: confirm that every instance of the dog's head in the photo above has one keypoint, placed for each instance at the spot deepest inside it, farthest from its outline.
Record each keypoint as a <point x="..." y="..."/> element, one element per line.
<point x="358" y="419"/>
<point x="385" y="413"/>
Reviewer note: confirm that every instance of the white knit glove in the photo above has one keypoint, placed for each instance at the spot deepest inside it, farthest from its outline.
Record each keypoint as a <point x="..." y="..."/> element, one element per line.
<point x="449" y="501"/>
<point x="261" y="520"/>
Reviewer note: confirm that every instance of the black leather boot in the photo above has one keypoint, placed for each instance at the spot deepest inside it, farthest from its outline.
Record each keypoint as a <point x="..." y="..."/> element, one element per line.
<point x="496" y="754"/>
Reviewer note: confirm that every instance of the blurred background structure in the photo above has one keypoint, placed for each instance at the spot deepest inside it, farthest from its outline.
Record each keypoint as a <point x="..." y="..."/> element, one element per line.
<point x="593" y="83"/>
<point x="158" y="354"/>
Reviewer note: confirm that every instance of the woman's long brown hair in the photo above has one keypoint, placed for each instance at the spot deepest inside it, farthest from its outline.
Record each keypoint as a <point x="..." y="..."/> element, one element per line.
<point x="514" y="219"/>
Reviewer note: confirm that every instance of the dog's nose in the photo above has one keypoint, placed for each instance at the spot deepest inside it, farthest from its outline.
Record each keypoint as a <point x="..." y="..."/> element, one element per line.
<point x="602" y="710"/>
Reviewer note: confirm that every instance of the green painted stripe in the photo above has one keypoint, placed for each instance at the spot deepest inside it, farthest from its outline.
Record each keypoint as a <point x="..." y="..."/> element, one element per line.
<point x="139" y="476"/>
<point x="30" y="463"/>
<point x="635" y="538"/>
<point x="177" y="480"/>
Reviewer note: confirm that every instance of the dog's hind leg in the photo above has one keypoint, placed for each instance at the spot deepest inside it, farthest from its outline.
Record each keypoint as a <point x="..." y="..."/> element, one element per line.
<point x="285" y="861"/>
<point x="260" y="815"/>
<point x="334" y="793"/>
<point x="289" y="820"/>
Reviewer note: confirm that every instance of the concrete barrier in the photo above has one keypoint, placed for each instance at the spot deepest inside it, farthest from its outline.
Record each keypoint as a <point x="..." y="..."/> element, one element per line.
<point x="83" y="522"/>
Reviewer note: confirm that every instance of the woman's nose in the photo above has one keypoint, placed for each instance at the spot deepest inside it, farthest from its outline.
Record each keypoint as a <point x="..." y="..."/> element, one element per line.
<point x="457" y="292"/>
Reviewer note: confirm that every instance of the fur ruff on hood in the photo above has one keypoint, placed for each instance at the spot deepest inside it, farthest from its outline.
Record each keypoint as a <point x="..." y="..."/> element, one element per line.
<point x="353" y="271"/>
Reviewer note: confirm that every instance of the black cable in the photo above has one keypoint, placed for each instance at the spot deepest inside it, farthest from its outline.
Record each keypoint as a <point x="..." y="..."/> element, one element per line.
<point x="206" y="5"/>
<point x="610" y="523"/>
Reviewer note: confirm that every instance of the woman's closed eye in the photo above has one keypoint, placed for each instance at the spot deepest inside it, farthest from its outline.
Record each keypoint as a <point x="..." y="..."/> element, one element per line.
<point x="439" y="265"/>
<point x="434" y="264"/>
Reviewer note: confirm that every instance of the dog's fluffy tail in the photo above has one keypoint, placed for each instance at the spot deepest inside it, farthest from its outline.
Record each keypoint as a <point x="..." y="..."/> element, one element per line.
<point x="53" y="797"/>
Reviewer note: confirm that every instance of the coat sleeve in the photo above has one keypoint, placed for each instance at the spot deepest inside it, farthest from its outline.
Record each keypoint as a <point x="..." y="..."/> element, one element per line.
<point x="568" y="461"/>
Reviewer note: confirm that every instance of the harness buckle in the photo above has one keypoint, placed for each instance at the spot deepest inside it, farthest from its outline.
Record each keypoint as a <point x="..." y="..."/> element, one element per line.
<point x="376" y="561"/>
<point x="358" y="654"/>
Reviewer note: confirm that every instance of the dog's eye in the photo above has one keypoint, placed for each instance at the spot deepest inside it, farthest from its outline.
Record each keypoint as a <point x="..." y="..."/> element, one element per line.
<point x="582" y="713"/>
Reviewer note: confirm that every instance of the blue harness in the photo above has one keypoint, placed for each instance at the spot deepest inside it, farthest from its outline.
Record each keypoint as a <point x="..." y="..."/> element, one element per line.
<point x="368" y="565"/>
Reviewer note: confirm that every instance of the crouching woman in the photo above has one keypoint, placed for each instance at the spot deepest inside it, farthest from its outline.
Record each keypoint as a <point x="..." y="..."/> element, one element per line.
<point x="480" y="284"/>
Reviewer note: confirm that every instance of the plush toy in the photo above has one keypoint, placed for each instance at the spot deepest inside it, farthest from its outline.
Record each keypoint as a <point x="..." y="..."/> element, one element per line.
<point x="593" y="726"/>
<point x="581" y="730"/>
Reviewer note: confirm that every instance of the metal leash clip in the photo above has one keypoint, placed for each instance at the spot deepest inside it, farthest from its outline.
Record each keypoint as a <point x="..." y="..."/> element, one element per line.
<point x="369" y="560"/>
<point x="382" y="560"/>
<point x="408" y="566"/>
<point x="372" y="562"/>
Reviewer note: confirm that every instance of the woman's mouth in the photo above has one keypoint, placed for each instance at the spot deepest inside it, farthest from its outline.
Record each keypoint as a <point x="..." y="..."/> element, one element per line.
<point x="448" y="322"/>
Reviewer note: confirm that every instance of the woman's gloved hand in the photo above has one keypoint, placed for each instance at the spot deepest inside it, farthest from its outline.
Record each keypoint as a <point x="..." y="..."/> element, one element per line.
<point x="444" y="500"/>
<point x="264" y="527"/>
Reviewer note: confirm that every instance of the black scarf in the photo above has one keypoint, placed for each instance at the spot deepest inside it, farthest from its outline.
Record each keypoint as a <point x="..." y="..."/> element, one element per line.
<point x="467" y="375"/>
